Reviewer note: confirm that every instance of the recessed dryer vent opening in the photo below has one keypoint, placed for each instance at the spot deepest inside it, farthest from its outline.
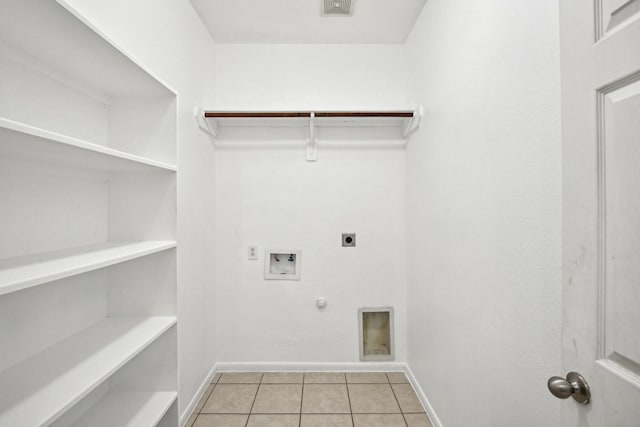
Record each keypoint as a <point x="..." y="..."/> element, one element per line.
<point x="376" y="333"/>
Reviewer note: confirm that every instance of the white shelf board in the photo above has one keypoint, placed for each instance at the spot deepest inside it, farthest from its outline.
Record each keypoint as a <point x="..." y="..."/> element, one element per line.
<point x="303" y="122"/>
<point x="29" y="26"/>
<point x="128" y="409"/>
<point x="23" y="141"/>
<point x="33" y="270"/>
<point x="38" y="390"/>
<point x="398" y="122"/>
<point x="260" y="121"/>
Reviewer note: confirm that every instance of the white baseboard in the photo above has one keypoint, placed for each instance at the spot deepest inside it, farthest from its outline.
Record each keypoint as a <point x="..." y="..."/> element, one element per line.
<point x="313" y="367"/>
<point x="423" y="398"/>
<point x="184" y="417"/>
<point x="308" y="366"/>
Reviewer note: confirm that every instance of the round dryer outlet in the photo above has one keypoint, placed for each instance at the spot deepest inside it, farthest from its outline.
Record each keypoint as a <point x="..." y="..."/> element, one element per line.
<point x="348" y="240"/>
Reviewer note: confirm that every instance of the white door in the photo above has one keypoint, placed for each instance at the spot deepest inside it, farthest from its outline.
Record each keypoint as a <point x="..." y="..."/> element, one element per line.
<point x="601" y="208"/>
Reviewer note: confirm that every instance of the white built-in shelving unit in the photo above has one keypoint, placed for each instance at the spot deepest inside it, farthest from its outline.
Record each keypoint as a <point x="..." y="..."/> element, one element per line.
<point x="88" y="228"/>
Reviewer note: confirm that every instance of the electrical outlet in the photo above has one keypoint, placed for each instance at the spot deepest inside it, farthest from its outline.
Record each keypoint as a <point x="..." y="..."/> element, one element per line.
<point x="252" y="252"/>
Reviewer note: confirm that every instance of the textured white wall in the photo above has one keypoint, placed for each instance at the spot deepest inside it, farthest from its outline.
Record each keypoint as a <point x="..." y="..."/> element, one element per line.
<point x="483" y="203"/>
<point x="273" y="198"/>
<point x="320" y="77"/>
<point x="172" y="43"/>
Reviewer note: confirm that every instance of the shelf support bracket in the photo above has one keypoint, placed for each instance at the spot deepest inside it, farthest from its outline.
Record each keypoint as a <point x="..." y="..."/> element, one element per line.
<point x="203" y="123"/>
<point x="413" y="124"/>
<point x="312" y="147"/>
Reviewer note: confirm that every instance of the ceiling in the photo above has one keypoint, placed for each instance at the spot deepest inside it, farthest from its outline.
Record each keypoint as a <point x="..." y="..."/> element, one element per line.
<point x="301" y="21"/>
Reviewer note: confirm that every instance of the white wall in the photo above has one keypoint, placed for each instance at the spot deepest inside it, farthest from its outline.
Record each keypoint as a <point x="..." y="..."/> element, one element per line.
<point x="271" y="197"/>
<point x="171" y="42"/>
<point x="320" y="77"/>
<point x="483" y="211"/>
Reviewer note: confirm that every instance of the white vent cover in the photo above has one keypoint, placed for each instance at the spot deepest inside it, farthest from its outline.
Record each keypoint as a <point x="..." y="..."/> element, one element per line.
<point x="337" y="7"/>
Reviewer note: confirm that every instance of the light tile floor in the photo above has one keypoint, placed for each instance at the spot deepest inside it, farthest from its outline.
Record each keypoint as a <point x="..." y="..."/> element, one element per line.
<point x="309" y="399"/>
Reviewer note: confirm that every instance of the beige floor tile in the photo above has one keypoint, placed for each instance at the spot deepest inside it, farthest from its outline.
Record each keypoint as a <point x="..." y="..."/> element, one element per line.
<point x="407" y="398"/>
<point x="215" y="420"/>
<point x="417" y="420"/>
<point x="378" y="420"/>
<point x="282" y="378"/>
<point x="326" y="420"/>
<point x="397" y="378"/>
<point x="278" y="399"/>
<point x="191" y="420"/>
<point x="325" y="399"/>
<point x="203" y="399"/>
<point x="240" y="378"/>
<point x="231" y="399"/>
<point x="367" y="378"/>
<point x="274" y="420"/>
<point x="372" y="399"/>
<point x="324" y="377"/>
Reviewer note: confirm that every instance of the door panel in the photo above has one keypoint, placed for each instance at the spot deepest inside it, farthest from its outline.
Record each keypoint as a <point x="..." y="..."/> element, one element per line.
<point x="621" y="149"/>
<point x="601" y="208"/>
<point x="613" y="14"/>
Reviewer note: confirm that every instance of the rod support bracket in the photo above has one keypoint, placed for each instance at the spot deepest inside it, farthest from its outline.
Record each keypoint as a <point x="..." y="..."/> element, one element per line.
<point x="414" y="123"/>
<point x="312" y="146"/>
<point x="204" y="124"/>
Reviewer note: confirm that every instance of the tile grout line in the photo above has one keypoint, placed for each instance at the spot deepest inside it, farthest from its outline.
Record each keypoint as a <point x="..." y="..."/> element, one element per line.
<point x="206" y="399"/>
<point x="301" y="400"/>
<point x="398" y="402"/>
<point x="209" y="395"/>
<point x="346" y="383"/>
<point x="396" y="398"/>
<point x="254" y="399"/>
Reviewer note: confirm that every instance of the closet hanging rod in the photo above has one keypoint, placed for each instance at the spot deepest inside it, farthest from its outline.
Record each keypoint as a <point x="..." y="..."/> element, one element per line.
<point x="275" y="114"/>
<point x="407" y="114"/>
<point x="254" y="114"/>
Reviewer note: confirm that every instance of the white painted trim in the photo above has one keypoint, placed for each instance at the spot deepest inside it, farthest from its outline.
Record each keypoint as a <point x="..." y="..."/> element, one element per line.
<point x="184" y="417"/>
<point x="308" y="366"/>
<point x="423" y="398"/>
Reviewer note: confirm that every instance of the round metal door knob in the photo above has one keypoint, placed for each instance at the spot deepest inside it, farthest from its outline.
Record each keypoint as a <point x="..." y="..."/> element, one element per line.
<point x="574" y="385"/>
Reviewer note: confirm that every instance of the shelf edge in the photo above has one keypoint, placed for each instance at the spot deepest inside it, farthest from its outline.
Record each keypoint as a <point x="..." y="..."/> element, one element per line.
<point x="81" y="144"/>
<point x="26" y="283"/>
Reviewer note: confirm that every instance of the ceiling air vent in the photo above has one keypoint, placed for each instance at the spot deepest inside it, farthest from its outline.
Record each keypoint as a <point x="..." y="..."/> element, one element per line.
<point x="337" y="7"/>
